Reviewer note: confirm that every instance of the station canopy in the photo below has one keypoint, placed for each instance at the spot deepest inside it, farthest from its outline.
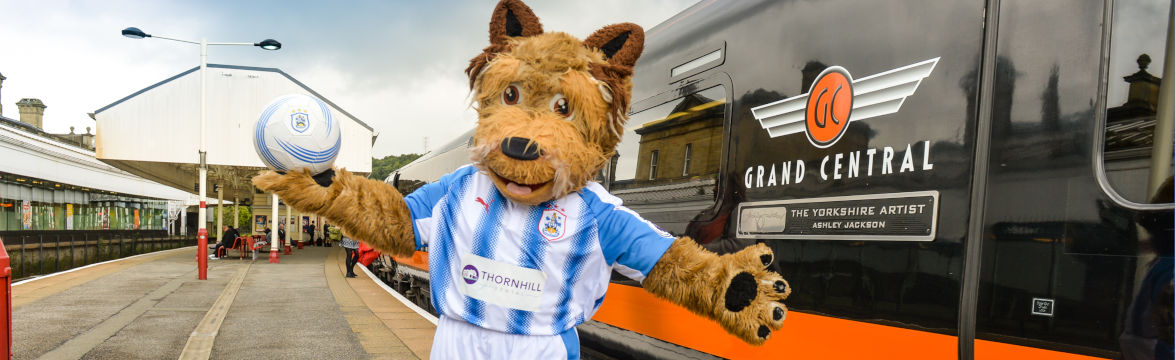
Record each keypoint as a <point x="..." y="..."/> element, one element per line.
<point x="155" y="132"/>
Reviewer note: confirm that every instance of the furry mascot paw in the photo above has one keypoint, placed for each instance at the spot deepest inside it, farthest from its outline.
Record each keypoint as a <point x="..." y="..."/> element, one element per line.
<point x="363" y="208"/>
<point x="735" y="290"/>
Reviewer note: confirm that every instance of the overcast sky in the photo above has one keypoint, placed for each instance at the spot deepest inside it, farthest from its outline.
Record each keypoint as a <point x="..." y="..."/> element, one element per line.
<point x="396" y="65"/>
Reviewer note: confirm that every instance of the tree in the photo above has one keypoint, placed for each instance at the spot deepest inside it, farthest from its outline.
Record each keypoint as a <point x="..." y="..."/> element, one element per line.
<point x="245" y="215"/>
<point x="381" y="168"/>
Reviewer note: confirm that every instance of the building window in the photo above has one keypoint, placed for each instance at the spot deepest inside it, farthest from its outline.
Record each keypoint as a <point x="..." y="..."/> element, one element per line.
<point x="685" y="166"/>
<point x="653" y="165"/>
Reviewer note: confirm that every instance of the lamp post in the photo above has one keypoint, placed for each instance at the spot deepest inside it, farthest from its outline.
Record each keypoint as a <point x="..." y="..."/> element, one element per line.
<point x="202" y="233"/>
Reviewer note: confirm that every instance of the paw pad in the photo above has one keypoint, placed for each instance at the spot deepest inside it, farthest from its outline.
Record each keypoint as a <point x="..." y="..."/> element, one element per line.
<point x="766" y="259"/>
<point x="764" y="331"/>
<point x="780" y="286"/>
<point x="777" y="314"/>
<point x="741" y="292"/>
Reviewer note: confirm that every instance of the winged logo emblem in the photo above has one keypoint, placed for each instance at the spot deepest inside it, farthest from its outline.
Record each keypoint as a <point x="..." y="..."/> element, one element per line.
<point x="836" y="100"/>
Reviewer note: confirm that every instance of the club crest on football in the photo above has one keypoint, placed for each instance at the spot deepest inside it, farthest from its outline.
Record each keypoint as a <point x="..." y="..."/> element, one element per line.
<point x="300" y="120"/>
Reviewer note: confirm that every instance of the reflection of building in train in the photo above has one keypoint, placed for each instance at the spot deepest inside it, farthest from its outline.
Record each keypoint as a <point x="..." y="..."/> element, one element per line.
<point x="685" y="143"/>
<point x="1132" y="124"/>
<point x="1130" y="134"/>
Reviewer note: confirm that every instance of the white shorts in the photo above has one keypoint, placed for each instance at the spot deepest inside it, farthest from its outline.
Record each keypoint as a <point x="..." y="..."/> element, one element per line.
<point x="457" y="339"/>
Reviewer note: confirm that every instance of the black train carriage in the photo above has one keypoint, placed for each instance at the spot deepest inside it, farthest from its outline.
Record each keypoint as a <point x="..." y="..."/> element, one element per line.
<point x="938" y="179"/>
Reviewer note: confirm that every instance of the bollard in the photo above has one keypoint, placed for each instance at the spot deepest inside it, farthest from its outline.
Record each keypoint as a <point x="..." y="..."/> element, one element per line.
<point x="6" y="303"/>
<point x="202" y="253"/>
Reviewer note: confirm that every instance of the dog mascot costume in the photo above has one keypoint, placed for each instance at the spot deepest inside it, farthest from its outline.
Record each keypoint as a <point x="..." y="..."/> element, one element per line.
<point x="521" y="242"/>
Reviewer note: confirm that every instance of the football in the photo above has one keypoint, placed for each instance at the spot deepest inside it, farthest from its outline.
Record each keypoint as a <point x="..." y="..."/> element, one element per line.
<point x="296" y="132"/>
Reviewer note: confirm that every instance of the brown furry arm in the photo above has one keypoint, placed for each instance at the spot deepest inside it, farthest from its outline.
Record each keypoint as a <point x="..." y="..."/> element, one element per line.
<point x="367" y="210"/>
<point x="735" y="290"/>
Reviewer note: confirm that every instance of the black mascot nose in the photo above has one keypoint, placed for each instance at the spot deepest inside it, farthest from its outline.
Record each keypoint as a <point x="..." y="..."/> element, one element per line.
<point x="520" y="148"/>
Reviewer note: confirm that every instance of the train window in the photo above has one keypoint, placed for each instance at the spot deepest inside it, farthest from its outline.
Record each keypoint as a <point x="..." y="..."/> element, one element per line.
<point x="661" y="133"/>
<point x="671" y="153"/>
<point x="1137" y="155"/>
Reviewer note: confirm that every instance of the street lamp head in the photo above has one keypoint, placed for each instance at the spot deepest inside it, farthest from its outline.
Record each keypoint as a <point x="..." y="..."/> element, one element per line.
<point x="269" y="44"/>
<point x="134" y="33"/>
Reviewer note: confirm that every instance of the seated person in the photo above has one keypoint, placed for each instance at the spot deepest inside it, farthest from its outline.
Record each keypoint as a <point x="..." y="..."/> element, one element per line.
<point x="226" y="241"/>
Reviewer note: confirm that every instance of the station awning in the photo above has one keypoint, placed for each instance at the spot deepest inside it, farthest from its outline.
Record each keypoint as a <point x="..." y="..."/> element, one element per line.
<point x="154" y="133"/>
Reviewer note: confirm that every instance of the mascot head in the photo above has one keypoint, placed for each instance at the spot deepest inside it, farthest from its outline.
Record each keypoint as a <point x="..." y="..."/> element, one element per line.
<point x="551" y="108"/>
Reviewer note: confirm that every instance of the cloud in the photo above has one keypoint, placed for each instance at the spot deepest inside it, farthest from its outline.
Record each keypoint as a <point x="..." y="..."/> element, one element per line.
<point x="398" y="66"/>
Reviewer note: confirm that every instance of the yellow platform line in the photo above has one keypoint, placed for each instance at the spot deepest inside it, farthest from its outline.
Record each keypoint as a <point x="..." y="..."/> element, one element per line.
<point x="366" y="311"/>
<point x="199" y="345"/>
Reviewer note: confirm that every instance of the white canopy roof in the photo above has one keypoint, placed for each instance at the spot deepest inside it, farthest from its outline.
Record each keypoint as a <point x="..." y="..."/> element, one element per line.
<point x="155" y="132"/>
<point x="35" y="156"/>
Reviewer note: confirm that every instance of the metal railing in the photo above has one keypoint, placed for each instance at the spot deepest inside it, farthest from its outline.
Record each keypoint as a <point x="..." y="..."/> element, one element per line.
<point x="46" y="252"/>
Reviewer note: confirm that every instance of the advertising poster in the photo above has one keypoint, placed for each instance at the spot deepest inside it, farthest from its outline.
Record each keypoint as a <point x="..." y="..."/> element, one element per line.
<point x="26" y="215"/>
<point x="305" y="223"/>
<point x="259" y="223"/>
<point x="136" y="219"/>
<point x="69" y="216"/>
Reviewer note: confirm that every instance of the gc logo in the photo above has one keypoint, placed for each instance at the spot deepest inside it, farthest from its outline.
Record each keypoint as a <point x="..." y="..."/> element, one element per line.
<point x="830" y="103"/>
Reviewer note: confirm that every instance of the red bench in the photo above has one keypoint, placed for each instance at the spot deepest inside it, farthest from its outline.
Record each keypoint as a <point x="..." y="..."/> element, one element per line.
<point x="243" y="244"/>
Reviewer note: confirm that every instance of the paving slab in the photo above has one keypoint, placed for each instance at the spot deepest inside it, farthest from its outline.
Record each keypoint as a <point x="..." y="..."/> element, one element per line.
<point x="150" y="307"/>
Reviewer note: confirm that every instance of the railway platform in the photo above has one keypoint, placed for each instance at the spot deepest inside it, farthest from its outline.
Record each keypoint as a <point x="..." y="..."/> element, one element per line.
<point x="152" y="306"/>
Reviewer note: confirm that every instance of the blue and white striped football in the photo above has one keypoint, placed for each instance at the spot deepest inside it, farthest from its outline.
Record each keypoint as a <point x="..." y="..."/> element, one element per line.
<point x="297" y="132"/>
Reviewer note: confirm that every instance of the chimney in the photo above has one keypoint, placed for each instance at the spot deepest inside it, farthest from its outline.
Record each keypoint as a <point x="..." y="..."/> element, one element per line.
<point x="88" y="139"/>
<point x="809" y="73"/>
<point x="1" y="98"/>
<point x="31" y="111"/>
<point x="1144" y="87"/>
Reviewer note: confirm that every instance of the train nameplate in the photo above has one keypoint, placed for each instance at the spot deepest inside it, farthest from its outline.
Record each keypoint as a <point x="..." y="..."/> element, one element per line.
<point x="909" y="216"/>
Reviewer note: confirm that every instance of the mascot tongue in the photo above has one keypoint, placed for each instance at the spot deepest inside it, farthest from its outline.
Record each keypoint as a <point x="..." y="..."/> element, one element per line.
<point x="516" y="189"/>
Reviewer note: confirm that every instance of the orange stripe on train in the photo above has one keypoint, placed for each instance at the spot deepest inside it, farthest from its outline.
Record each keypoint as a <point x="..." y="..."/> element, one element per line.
<point x="803" y="336"/>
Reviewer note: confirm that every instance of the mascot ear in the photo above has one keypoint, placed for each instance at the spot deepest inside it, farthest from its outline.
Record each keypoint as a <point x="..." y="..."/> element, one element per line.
<point x="512" y="18"/>
<point x="621" y="43"/>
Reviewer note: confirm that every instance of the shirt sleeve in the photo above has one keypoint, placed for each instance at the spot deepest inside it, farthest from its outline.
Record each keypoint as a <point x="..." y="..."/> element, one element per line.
<point x="631" y="244"/>
<point x="422" y="201"/>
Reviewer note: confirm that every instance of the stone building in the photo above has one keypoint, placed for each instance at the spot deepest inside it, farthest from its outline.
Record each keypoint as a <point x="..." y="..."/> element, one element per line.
<point x="684" y="144"/>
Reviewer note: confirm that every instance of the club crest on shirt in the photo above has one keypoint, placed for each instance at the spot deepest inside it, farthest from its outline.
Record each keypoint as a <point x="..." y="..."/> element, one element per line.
<point x="553" y="224"/>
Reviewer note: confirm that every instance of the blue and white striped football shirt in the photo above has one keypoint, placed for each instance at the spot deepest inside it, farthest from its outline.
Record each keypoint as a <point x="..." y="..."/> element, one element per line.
<point x="520" y="269"/>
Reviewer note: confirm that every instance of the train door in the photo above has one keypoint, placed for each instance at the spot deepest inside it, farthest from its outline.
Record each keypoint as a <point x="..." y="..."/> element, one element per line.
<point x="1076" y="256"/>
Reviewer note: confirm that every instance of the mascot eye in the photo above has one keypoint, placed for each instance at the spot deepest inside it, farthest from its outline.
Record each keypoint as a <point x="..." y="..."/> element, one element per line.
<point x="561" y="106"/>
<point x="510" y="96"/>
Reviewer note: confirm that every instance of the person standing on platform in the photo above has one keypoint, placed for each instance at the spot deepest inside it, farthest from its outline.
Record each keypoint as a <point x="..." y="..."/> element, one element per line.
<point x="310" y="232"/>
<point x="326" y="234"/>
<point x="281" y="234"/>
<point x="352" y="248"/>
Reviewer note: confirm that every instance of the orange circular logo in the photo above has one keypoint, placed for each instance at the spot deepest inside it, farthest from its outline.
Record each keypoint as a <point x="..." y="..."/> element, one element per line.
<point x="830" y="102"/>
